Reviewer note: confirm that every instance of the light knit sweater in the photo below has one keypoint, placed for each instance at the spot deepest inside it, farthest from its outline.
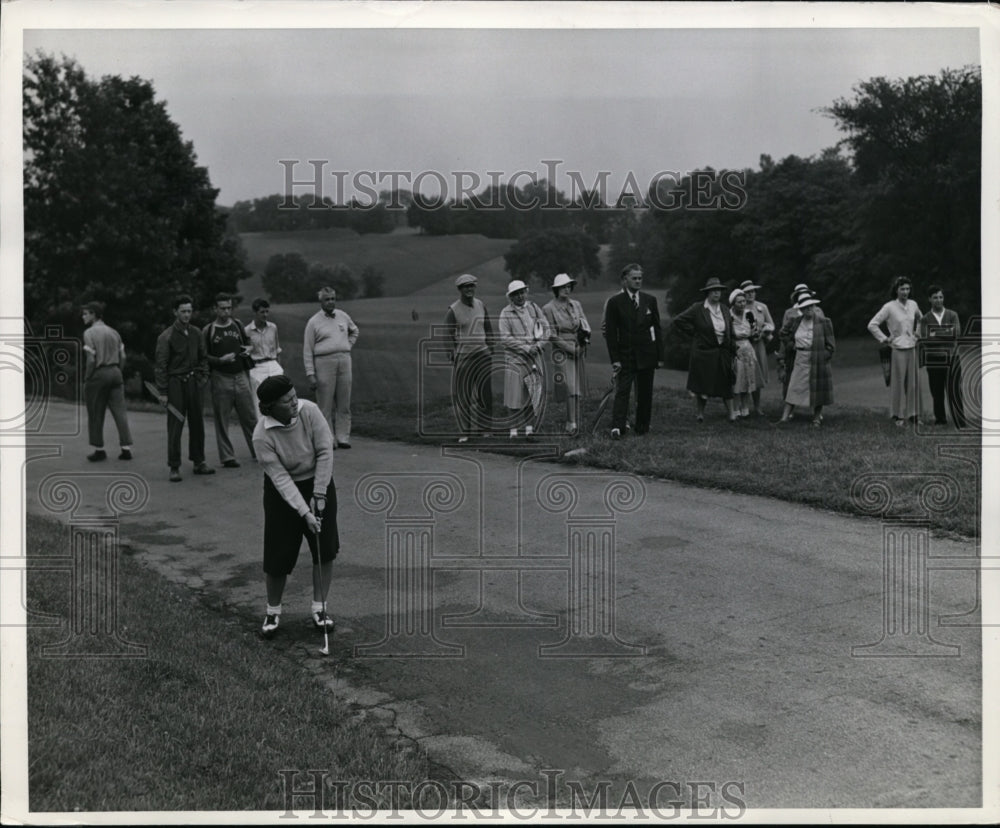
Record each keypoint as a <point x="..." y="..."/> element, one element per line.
<point x="296" y="452"/>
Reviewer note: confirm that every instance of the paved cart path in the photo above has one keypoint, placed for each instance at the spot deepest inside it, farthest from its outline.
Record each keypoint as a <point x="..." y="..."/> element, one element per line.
<point x="516" y="616"/>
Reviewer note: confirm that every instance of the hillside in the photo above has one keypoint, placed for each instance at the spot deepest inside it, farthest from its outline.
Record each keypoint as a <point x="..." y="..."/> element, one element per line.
<point x="408" y="261"/>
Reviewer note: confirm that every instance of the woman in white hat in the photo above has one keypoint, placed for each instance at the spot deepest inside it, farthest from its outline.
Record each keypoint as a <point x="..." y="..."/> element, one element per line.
<point x="810" y="382"/>
<point x="523" y="334"/>
<point x="570" y="334"/>
<point x="761" y="317"/>
<point x="746" y="373"/>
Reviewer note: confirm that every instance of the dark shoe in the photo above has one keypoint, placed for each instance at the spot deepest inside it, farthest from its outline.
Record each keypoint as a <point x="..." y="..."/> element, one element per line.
<point x="321" y="620"/>
<point x="175" y="475"/>
<point x="125" y="455"/>
<point x="343" y="445"/>
<point x="270" y="626"/>
<point x="97" y="456"/>
<point x="201" y="468"/>
<point x="231" y="464"/>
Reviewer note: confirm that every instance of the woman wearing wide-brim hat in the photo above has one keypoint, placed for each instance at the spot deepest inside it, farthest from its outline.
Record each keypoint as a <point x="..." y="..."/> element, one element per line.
<point x="810" y="381"/>
<point x="570" y="334"/>
<point x="523" y="334"/>
<point x="710" y="370"/>
<point x="760" y="317"/>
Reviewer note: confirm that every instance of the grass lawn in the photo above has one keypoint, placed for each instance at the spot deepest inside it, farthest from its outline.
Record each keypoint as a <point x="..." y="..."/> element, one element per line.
<point x="204" y="722"/>
<point x="795" y="462"/>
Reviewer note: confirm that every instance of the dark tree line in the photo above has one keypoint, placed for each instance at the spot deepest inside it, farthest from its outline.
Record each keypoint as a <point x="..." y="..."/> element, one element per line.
<point x="305" y="212"/>
<point x="288" y="277"/>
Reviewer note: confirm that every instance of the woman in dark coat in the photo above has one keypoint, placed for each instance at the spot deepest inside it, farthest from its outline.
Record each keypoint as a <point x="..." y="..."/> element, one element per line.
<point x="710" y="372"/>
<point x="810" y="381"/>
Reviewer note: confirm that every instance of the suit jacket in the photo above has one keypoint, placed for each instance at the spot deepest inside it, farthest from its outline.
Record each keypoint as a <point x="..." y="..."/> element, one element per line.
<point x="938" y="342"/>
<point x="631" y="332"/>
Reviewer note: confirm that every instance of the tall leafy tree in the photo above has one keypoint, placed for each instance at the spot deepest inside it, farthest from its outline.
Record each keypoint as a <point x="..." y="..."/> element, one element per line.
<point x="916" y="147"/>
<point x="116" y="207"/>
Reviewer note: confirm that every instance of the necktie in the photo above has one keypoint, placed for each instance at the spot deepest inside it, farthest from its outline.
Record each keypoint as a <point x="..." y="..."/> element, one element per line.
<point x="635" y="300"/>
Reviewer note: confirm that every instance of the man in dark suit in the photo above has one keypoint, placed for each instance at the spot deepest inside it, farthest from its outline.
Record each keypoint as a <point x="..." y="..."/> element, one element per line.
<point x="939" y="332"/>
<point x="633" y="333"/>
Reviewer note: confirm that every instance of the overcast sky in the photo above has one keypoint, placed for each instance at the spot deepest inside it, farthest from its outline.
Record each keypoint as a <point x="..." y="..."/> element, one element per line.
<point x="450" y="100"/>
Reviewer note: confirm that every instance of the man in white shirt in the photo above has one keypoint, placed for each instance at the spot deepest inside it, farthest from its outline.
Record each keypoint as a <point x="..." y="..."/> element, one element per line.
<point x="264" y="347"/>
<point x="326" y="352"/>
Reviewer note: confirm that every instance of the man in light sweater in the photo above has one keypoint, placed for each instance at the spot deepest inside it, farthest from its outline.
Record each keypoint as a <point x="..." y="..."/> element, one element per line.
<point x="471" y="340"/>
<point x="295" y="448"/>
<point x="326" y="351"/>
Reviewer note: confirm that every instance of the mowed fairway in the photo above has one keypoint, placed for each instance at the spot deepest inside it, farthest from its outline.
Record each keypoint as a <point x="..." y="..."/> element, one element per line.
<point x="407" y="260"/>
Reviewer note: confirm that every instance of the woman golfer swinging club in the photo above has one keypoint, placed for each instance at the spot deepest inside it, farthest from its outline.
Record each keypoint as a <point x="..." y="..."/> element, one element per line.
<point x="295" y="446"/>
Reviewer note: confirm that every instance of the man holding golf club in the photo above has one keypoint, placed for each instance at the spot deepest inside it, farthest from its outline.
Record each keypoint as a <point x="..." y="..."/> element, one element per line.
<point x="294" y="445"/>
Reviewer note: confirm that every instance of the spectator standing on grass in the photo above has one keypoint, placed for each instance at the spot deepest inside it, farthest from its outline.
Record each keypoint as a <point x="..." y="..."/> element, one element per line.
<point x="227" y="347"/>
<point x="710" y="371"/>
<point x="939" y="332"/>
<point x="634" y="336"/>
<point x="901" y="317"/>
<point x="810" y="381"/>
<point x="785" y="352"/>
<point x="104" y="385"/>
<point x="470" y="336"/>
<point x="295" y="448"/>
<point x="264" y="347"/>
<point x="326" y="351"/>
<point x="746" y="372"/>
<point x="570" y="335"/>
<point x="523" y="334"/>
<point x="766" y="329"/>
<point x="181" y="372"/>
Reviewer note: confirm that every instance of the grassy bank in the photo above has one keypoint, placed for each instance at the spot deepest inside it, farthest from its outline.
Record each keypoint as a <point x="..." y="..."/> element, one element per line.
<point x="204" y="722"/>
<point x="795" y="462"/>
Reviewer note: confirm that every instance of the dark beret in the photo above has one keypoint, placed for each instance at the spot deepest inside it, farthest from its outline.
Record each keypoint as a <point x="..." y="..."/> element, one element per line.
<point x="274" y="388"/>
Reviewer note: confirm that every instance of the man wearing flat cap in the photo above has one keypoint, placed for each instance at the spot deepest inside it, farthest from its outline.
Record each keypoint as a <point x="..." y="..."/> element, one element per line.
<point x="634" y="338"/>
<point x="294" y="445"/>
<point x="470" y="337"/>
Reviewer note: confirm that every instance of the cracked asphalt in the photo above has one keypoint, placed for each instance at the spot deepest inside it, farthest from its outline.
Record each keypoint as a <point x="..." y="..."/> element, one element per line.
<point x="517" y="617"/>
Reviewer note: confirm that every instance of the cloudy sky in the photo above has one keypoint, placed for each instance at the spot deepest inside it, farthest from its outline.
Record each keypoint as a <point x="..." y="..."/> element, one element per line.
<point x="639" y="100"/>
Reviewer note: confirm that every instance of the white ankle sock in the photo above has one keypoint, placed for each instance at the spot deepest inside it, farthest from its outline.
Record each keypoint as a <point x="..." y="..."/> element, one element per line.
<point x="273" y="610"/>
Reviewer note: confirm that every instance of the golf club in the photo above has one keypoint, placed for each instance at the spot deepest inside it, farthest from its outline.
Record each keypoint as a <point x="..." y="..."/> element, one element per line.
<point x="325" y="649"/>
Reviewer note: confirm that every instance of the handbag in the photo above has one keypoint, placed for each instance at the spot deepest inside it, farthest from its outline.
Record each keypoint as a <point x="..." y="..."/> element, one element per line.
<point x="885" y="356"/>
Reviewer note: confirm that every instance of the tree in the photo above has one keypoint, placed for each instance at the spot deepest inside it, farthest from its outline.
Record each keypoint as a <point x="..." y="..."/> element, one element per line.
<point x="373" y="282"/>
<point x="116" y="208"/>
<point x="286" y="278"/>
<point x="541" y="254"/>
<point x="339" y="277"/>
<point x="916" y="147"/>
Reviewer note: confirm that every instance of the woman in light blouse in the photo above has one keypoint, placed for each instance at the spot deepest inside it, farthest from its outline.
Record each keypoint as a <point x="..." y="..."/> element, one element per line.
<point x="901" y="317"/>
<point x="810" y="338"/>
<point x="570" y="333"/>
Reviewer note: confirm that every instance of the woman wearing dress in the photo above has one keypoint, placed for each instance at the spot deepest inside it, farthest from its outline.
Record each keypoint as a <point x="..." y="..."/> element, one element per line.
<point x="570" y="333"/>
<point x="901" y="316"/>
<point x="710" y="371"/>
<point x="523" y="334"/>
<point x="810" y="381"/>
<point x="766" y="328"/>
<point x="746" y="370"/>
